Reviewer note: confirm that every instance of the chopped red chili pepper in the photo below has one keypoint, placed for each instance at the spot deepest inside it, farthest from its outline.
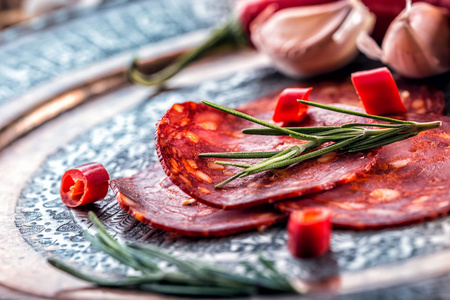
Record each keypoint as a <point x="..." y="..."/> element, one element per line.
<point x="84" y="184"/>
<point x="288" y="109"/>
<point x="309" y="232"/>
<point x="378" y="92"/>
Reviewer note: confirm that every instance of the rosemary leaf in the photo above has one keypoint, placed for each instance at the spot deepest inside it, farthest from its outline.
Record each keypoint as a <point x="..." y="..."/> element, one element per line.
<point x="118" y="254"/>
<point x="338" y="137"/>
<point x="185" y="266"/>
<point x="143" y="260"/>
<point x="380" y="137"/>
<point x="229" y="163"/>
<point x="243" y="155"/>
<point x="192" y="290"/>
<point x="382" y="143"/>
<point x="349" y="125"/>
<point x="283" y="155"/>
<point x="354" y="113"/>
<point x="274" y="274"/>
<point x="263" y="279"/>
<point x="305" y="130"/>
<point x="124" y="282"/>
<point x="340" y="131"/>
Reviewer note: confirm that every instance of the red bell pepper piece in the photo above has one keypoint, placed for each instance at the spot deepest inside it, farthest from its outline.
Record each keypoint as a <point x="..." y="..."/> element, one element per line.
<point x="288" y="109"/>
<point x="378" y="92"/>
<point x="84" y="184"/>
<point x="309" y="232"/>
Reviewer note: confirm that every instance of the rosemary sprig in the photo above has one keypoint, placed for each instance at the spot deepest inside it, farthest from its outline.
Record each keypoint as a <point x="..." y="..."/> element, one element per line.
<point x="191" y="278"/>
<point x="351" y="137"/>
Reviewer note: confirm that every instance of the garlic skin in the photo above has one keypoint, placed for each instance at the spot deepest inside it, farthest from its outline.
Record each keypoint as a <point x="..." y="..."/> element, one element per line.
<point x="311" y="40"/>
<point x="416" y="44"/>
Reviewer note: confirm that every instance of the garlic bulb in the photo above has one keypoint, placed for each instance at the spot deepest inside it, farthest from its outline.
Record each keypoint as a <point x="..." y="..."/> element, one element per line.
<point x="416" y="44"/>
<point x="311" y="40"/>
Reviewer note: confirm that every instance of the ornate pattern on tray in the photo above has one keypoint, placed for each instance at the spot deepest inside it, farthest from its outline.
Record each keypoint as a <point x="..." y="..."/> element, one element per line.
<point x="125" y="145"/>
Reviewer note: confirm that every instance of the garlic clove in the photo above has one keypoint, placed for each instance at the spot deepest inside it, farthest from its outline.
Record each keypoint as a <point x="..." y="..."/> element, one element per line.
<point x="417" y="43"/>
<point x="312" y="40"/>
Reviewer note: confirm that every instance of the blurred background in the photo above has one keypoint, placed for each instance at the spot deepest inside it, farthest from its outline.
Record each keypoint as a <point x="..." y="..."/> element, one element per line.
<point x="16" y="11"/>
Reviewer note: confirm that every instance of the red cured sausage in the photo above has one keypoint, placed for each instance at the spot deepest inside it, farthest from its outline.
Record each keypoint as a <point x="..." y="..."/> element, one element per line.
<point x="189" y="129"/>
<point x="150" y="197"/>
<point x="409" y="183"/>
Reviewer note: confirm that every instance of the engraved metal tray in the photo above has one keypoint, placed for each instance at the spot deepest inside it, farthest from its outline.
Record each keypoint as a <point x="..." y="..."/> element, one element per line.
<point x="408" y="262"/>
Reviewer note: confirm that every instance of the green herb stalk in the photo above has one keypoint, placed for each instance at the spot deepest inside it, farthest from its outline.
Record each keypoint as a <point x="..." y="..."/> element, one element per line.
<point x="190" y="277"/>
<point x="351" y="137"/>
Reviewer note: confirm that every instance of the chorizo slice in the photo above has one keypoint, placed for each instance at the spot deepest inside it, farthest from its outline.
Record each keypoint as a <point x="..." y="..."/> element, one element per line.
<point x="409" y="183"/>
<point x="188" y="129"/>
<point x="150" y="197"/>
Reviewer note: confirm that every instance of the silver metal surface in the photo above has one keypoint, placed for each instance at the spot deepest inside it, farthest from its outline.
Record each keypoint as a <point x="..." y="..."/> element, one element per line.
<point x="117" y="129"/>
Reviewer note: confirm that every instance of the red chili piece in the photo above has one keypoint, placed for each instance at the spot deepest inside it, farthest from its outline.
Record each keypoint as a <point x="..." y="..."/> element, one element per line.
<point x="84" y="184"/>
<point x="309" y="232"/>
<point x="288" y="109"/>
<point x="378" y="92"/>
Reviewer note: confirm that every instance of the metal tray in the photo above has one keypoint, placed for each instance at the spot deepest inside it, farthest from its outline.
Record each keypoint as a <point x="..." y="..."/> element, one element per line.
<point x="116" y="128"/>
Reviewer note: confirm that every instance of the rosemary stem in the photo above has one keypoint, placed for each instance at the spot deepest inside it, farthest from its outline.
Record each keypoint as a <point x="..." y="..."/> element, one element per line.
<point x="428" y="125"/>
<point x="228" y="35"/>
<point x="128" y="281"/>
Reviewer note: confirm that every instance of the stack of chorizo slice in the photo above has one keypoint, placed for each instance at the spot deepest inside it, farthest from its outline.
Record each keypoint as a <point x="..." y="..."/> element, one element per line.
<point x="179" y="195"/>
<point x="150" y="197"/>
<point x="409" y="183"/>
<point x="189" y="129"/>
